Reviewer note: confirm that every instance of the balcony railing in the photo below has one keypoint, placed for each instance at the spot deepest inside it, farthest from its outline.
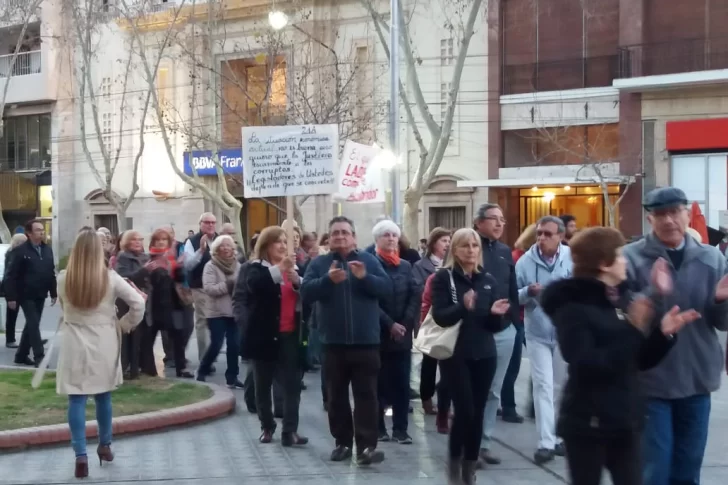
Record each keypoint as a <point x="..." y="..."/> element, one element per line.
<point x="673" y="57"/>
<point x="590" y="72"/>
<point x="25" y="63"/>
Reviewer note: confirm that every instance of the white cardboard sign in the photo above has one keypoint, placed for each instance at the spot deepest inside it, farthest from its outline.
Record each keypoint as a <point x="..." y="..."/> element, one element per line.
<point x="359" y="180"/>
<point x="283" y="161"/>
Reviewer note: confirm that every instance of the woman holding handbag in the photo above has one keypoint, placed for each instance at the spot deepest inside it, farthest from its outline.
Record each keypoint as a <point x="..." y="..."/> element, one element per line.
<point x="89" y="358"/>
<point x="463" y="295"/>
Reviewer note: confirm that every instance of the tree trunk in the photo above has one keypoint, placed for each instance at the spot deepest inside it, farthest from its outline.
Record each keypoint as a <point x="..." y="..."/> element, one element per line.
<point x="5" y="234"/>
<point x="410" y="215"/>
<point x="121" y="219"/>
<point x="234" y="215"/>
<point x="297" y="214"/>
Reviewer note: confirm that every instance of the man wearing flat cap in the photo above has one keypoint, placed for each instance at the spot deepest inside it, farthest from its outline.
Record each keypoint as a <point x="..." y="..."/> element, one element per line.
<point x="681" y="272"/>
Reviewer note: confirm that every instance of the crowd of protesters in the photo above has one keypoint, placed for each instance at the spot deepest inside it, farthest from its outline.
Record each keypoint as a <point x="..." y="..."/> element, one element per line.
<point x="621" y="338"/>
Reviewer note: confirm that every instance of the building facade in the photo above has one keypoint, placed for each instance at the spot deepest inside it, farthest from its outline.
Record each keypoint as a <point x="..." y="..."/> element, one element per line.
<point x="591" y="95"/>
<point x="259" y="78"/>
<point x="30" y="126"/>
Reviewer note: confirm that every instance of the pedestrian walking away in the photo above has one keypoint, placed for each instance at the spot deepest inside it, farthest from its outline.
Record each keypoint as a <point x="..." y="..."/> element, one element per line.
<point x="89" y="361"/>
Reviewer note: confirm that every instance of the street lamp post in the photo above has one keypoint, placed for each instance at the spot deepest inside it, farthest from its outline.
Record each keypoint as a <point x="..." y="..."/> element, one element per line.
<point x="394" y="107"/>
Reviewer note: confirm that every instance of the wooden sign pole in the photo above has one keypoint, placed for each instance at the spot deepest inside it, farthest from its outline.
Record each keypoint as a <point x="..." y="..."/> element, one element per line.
<point x="289" y="224"/>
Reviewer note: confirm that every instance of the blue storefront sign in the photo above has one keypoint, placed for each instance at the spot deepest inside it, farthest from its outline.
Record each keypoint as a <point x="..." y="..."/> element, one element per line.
<point x="231" y="161"/>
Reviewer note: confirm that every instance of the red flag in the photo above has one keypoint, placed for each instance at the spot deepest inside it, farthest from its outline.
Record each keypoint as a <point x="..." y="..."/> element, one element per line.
<point x="697" y="222"/>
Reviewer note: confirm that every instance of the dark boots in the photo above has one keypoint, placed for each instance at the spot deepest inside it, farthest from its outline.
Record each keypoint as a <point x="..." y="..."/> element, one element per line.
<point x="454" y="471"/>
<point x="469" y="468"/>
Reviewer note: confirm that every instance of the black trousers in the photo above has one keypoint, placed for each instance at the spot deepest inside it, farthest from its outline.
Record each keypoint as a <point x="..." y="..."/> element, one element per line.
<point x="358" y="367"/>
<point x="287" y="369"/>
<point x="30" y="338"/>
<point x="149" y="337"/>
<point x="394" y="377"/>
<point x="249" y="392"/>
<point x="131" y="351"/>
<point x="587" y="456"/>
<point x="508" y="393"/>
<point x="11" y="316"/>
<point x="428" y="385"/>
<point x="469" y="382"/>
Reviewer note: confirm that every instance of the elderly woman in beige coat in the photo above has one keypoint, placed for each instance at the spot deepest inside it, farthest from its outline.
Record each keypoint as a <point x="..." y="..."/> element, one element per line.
<point x="89" y="361"/>
<point x="218" y="281"/>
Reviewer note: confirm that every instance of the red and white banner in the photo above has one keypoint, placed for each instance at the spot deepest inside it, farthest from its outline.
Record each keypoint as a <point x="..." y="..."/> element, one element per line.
<point x="359" y="180"/>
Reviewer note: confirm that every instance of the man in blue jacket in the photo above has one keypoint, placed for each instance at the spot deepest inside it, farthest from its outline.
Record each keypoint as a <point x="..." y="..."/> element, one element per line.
<point x="345" y="286"/>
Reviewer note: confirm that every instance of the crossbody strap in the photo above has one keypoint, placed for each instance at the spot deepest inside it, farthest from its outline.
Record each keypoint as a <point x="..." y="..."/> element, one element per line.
<point x="453" y="293"/>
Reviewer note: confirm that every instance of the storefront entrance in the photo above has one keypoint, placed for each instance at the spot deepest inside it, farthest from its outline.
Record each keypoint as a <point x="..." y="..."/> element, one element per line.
<point x="585" y="203"/>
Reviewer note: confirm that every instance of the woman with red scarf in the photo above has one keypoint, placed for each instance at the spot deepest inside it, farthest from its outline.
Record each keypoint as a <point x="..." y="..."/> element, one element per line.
<point x="166" y="309"/>
<point x="398" y="315"/>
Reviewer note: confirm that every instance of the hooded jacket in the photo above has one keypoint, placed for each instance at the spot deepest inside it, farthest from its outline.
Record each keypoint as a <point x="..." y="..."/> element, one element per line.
<point x="605" y="354"/>
<point x="532" y="269"/>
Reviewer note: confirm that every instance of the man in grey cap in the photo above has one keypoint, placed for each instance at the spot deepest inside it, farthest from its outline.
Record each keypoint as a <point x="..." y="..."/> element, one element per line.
<point x="678" y="389"/>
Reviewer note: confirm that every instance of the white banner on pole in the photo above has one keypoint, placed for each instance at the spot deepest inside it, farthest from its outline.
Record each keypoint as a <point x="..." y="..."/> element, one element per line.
<point x="359" y="180"/>
<point x="284" y="161"/>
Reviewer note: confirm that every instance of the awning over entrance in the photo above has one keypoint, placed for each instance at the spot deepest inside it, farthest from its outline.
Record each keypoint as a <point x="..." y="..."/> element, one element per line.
<point x="543" y="181"/>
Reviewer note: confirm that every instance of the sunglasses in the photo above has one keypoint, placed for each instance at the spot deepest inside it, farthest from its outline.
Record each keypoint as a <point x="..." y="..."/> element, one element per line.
<point x="544" y="233"/>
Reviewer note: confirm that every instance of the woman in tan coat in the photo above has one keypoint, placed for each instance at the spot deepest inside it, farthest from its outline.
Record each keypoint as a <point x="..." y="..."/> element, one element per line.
<point x="218" y="281"/>
<point x="90" y="340"/>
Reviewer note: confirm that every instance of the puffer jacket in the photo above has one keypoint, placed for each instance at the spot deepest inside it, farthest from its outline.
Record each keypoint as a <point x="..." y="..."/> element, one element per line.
<point x="400" y="306"/>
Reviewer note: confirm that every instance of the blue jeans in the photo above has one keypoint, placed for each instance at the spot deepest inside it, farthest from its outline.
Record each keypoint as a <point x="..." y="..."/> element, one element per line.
<point x="394" y="376"/>
<point x="222" y="329"/>
<point x="507" y="394"/>
<point x="674" y="440"/>
<point x="77" y="420"/>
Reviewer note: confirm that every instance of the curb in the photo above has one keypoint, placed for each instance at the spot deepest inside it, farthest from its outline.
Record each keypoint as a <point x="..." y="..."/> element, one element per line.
<point x="220" y="404"/>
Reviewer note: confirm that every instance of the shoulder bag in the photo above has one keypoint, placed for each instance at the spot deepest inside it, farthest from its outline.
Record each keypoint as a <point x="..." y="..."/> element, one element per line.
<point x="436" y="341"/>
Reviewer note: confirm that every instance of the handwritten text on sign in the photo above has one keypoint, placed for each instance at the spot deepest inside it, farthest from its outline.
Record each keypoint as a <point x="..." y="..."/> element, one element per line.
<point x="283" y="161"/>
<point x="359" y="180"/>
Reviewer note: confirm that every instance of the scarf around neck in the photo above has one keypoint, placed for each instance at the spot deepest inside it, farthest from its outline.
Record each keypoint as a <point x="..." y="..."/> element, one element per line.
<point x="169" y="254"/>
<point x="227" y="266"/>
<point x="389" y="258"/>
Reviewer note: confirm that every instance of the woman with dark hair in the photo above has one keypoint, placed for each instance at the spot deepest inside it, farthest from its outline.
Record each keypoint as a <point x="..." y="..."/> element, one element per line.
<point x="438" y="243"/>
<point x="606" y="346"/>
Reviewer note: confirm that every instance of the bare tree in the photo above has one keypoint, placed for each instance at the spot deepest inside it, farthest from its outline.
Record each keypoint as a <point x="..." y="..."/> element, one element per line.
<point x="289" y="77"/>
<point x="97" y="99"/>
<point x="593" y="149"/>
<point x="462" y="16"/>
<point x="19" y="13"/>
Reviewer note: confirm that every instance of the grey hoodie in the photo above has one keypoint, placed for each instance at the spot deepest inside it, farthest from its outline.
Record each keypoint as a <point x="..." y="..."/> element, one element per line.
<point x="532" y="269"/>
<point x="695" y="363"/>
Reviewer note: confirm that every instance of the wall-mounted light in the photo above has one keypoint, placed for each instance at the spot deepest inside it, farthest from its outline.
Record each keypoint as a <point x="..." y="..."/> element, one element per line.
<point x="567" y="188"/>
<point x="548" y="196"/>
<point x="534" y="188"/>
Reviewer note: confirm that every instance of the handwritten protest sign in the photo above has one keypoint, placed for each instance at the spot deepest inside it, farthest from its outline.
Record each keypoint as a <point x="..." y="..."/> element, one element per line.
<point x="359" y="181"/>
<point x="283" y="161"/>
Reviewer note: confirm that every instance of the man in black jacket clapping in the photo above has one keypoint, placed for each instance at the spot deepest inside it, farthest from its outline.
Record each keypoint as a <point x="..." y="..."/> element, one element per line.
<point x="31" y="276"/>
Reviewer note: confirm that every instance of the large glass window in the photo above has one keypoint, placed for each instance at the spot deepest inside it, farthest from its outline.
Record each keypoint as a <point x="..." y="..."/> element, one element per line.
<point x="26" y="143"/>
<point x="703" y="178"/>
